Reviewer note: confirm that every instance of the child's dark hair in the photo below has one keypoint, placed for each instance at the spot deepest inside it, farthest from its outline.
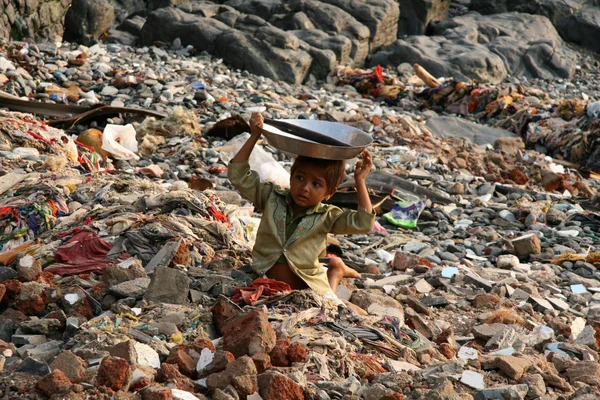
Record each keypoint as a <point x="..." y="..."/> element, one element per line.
<point x="335" y="170"/>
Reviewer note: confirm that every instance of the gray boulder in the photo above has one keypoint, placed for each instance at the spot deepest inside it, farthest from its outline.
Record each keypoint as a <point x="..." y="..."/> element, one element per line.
<point x="87" y="20"/>
<point x="486" y="48"/>
<point x="380" y="16"/>
<point x="340" y="45"/>
<point x="415" y="15"/>
<point x="582" y="27"/>
<point x="250" y="44"/>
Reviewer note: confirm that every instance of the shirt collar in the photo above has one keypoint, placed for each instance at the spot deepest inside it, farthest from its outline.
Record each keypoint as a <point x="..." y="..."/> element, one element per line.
<point x="319" y="208"/>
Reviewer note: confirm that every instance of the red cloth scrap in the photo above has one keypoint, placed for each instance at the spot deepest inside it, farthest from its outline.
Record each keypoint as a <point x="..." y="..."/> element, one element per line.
<point x="260" y="287"/>
<point x="83" y="253"/>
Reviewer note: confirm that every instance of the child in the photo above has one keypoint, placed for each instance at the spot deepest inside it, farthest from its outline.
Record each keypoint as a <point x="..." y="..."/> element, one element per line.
<point x="294" y="227"/>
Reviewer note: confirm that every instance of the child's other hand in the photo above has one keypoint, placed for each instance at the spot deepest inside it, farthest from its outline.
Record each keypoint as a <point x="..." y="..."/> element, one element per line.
<point x="256" y="124"/>
<point x="363" y="167"/>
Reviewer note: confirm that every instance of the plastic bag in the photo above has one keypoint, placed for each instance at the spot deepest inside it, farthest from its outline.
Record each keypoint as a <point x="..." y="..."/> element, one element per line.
<point x="405" y="213"/>
<point x="593" y="110"/>
<point x="120" y="141"/>
<point x="261" y="161"/>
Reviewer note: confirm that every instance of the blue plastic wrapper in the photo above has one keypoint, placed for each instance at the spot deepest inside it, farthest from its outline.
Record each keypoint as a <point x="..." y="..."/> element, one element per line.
<point x="197" y="85"/>
<point x="405" y="214"/>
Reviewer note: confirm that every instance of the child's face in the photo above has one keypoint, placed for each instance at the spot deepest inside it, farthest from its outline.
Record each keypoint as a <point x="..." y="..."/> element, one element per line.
<point x="308" y="186"/>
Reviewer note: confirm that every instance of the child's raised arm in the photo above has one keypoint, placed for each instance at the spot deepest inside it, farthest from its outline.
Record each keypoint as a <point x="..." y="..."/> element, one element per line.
<point x="256" y="124"/>
<point x="363" y="167"/>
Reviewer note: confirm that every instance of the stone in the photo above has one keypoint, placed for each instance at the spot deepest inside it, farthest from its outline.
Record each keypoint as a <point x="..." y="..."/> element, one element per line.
<point x="508" y="261"/>
<point x="472" y="379"/>
<point x="262" y="362"/>
<point x="168" y="285"/>
<point x="422" y="286"/>
<point x="585" y="371"/>
<point x="220" y="361"/>
<point x="539" y="304"/>
<point x="509" y="392"/>
<point x="479" y="282"/>
<point x="377" y="303"/>
<point x="535" y="384"/>
<point x="240" y="367"/>
<point x="125" y="350"/>
<point x="156" y="392"/>
<point x="273" y="385"/>
<point x="73" y="366"/>
<point x="527" y="245"/>
<point x="513" y="367"/>
<point x="134" y="288"/>
<point x="115" y="274"/>
<point x="249" y="334"/>
<point x="185" y="363"/>
<point x="114" y="373"/>
<point x="170" y="375"/>
<point x="87" y="20"/>
<point x="403" y="261"/>
<point x="54" y="383"/>
<point x="32" y="366"/>
<point x="279" y="354"/>
<point x="28" y="268"/>
<point x="488" y="299"/>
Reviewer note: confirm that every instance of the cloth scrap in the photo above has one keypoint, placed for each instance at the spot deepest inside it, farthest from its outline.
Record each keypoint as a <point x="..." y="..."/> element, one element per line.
<point x="258" y="288"/>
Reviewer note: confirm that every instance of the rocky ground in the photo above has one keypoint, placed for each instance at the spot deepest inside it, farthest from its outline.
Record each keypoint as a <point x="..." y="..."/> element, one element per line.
<point x="121" y="278"/>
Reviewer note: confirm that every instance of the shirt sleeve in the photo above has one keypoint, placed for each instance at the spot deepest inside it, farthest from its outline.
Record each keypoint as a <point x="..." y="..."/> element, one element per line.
<point x="339" y="221"/>
<point x="248" y="183"/>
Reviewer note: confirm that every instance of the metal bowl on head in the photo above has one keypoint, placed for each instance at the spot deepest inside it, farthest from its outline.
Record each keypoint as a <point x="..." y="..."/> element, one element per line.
<point x="295" y="140"/>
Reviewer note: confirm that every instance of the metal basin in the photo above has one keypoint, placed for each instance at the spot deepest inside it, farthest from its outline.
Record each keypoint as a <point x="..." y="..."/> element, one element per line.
<point x="293" y="143"/>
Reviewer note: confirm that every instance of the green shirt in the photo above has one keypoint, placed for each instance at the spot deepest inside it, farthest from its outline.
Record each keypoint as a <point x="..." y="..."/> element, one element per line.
<point x="307" y="236"/>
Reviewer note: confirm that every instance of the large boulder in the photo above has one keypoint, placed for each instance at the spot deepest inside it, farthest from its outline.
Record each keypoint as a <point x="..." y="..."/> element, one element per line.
<point x="250" y="43"/>
<point x="582" y="27"/>
<point x="380" y="16"/>
<point x="486" y="48"/>
<point x="40" y="20"/>
<point x="415" y="15"/>
<point x="87" y="20"/>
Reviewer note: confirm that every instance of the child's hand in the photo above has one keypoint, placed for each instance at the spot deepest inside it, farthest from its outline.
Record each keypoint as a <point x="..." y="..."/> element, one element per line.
<point x="256" y="124"/>
<point x="363" y="167"/>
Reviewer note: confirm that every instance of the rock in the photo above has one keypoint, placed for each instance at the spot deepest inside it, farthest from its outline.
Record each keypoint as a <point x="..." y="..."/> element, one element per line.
<point x="32" y="366"/>
<point x="156" y="392"/>
<point x="585" y="371"/>
<point x="125" y="350"/>
<point x="243" y="366"/>
<point x="185" y="363"/>
<point x="53" y="383"/>
<point x="479" y="282"/>
<point x="29" y="269"/>
<point x="510" y="392"/>
<point x="168" y="285"/>
<point x="472" y="379"/>
<point x="134" y="288"/>
<point x="513" y="367"/>
<point x="273" y="385"/>
<point x="536" y="385"/>
<point x="527" y="245"/>
<point x="416" y="16"/>
<point x="580" y="26"/>
<point x="377" y="303"/>
<point x="249" y="334"/>
<point x="508" y="261"/>
<point x="114" y="373"/>
<point x="87" y="20"/>
<point x="73" y="367"/>
<point x="486" y="56"/>
<point x="115" y="274"/>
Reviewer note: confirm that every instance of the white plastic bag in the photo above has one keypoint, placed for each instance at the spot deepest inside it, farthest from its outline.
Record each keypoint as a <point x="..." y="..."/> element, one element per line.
<point x="261" y="161"/>
<point x="593" y="110"/>
<point x="120" y="141"/>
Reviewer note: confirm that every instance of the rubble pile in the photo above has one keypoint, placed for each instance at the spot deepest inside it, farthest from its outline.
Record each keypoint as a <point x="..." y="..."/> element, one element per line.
<point x="125" y="252"/>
